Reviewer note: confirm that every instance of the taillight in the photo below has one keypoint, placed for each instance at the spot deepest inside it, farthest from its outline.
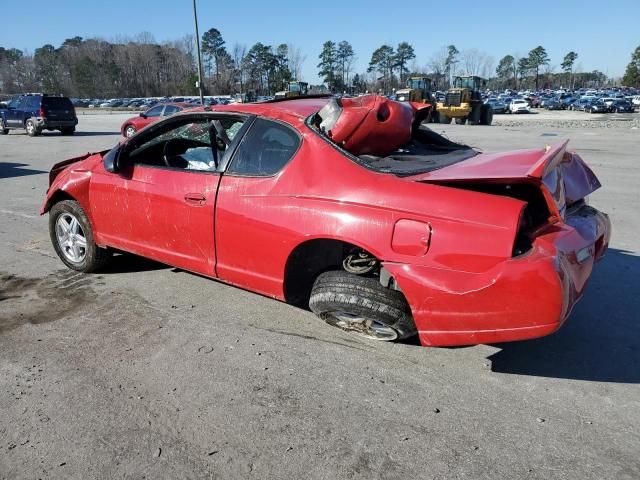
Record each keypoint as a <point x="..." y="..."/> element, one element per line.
<point x="41" y="112"/>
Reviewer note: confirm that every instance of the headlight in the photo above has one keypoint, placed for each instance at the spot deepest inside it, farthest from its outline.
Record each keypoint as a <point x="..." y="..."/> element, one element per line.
<point x="401" y="98"/>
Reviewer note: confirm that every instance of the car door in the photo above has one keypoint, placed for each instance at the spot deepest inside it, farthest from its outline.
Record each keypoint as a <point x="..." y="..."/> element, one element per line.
<point x="161" y="202"/>
<point x="247" y="219"/>
<point x="13" y="110"/>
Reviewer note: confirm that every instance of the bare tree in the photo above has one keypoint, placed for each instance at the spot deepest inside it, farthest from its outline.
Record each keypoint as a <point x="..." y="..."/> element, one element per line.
<point x="239" y="52"/>
<point x="295" y="60"/>
<point x="477" y="63"/>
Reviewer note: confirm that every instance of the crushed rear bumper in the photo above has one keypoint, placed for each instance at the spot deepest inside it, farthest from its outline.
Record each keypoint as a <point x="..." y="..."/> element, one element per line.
<point x="520" y="298"/>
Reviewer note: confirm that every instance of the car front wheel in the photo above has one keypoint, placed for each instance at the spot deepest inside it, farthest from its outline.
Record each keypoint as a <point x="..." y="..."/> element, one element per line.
<point x="361" y="305"/>
<point x="129" y="131"/>
<point x="72" y="238"/>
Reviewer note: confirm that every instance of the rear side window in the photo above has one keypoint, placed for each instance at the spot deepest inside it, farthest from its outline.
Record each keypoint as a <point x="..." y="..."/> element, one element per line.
<point x="265" y="150"/>
<point x="31" y="103"/>
<point x="170" y="110"/>
<point x="57" y="103"/>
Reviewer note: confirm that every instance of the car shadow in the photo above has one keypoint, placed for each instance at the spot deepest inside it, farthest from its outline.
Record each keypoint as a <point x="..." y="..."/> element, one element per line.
<point x="601" y="339"/>
<point x="129" y="263"/>
<point x="95" y="134"/>
<point x="9" y="170"/>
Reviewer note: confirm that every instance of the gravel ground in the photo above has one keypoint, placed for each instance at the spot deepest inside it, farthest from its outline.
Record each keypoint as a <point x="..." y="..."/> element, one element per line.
<point x="144" y="371"/>
<point x="570" y="119"/>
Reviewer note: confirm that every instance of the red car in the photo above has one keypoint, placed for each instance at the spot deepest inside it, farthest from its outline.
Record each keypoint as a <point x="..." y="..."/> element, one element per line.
<point x="351" y="207"/>
<point x="155" y="113"/>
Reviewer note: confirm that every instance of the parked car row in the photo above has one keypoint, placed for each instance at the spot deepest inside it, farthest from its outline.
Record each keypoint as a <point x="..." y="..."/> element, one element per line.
<point x="144" y="103"/>
<point x="586" y="101"/>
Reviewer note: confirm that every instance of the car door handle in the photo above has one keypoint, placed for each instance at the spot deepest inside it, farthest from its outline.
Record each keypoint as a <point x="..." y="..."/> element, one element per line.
<point x="195" y="198"/>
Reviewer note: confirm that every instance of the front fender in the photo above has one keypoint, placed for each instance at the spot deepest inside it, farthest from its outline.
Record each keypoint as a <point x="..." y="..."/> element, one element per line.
<point x="71" y="177"/>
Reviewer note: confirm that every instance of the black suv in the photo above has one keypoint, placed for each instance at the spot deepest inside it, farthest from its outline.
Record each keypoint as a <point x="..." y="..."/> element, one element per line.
<point x="35" y="113"/>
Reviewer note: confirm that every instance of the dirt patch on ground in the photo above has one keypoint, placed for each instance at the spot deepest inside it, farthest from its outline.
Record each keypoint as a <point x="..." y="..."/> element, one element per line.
<point x="41" y="300"/>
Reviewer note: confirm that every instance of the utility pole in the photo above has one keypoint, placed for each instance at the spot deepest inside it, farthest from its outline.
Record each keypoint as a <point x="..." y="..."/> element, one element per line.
<point x="195" y="19"/>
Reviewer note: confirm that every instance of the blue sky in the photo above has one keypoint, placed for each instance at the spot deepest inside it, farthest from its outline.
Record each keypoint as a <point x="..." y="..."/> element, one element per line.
<point x="603" y="34"/>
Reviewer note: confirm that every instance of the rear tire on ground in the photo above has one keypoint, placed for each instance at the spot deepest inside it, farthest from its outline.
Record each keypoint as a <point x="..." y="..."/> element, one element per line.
<point x="3" y="129"/>
<point x="32" y="130"/>
<point x="68" y="131"/>
<point x="361" y="305"/>
<point x="72" y="238"/>
<point x="486" y="115"/>
<point x="461" y="120"/>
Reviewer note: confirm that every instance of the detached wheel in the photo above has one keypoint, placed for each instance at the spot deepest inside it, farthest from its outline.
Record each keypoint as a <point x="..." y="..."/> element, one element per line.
<point x="72" y="238"/>
<point x="361" y="305"/>
<point x="31" y="128"/>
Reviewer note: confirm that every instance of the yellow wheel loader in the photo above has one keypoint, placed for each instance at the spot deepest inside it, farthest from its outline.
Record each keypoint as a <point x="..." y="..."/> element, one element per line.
<point x="463" y="103"/>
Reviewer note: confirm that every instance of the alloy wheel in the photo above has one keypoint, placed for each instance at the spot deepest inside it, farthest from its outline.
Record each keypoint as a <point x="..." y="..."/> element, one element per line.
<point x="361" y="325"/>
<point x="71" y="238"/>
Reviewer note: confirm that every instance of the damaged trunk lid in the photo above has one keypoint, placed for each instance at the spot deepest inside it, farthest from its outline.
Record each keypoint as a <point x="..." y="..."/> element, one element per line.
<point x="560" y="177"/>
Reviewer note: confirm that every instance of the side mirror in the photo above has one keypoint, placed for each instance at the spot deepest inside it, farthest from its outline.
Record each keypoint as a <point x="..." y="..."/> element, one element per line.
<point x="143" y="115"/>
<point x="112" y="159"/>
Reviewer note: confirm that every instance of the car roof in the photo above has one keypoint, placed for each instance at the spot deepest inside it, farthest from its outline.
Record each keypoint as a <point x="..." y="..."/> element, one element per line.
<point x="299" y="107"/>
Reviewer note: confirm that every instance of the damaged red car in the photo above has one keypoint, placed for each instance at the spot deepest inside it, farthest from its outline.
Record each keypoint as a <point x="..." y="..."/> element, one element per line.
<point x="351" y="207"/>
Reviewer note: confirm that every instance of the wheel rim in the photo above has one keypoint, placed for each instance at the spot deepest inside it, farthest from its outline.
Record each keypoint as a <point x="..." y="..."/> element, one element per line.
<point x="130" y="131"/>
<point x="361" y="325"/>
<point x="30" y="127"/>
<point x="71" y="238"/>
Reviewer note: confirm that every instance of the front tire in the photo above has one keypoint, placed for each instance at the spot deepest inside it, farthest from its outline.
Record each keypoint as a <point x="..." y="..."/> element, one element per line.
<point x="361" y="305"/>
<point x="72" y="238"/>
<point x="68" y="131"/>
<point x="129" y="131"/>
<point x="3" y="128"/>
<point x="444" y="119"/>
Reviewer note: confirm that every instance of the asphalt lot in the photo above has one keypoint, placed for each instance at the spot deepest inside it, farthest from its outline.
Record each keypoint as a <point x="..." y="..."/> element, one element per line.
<point x="145" y="371"/>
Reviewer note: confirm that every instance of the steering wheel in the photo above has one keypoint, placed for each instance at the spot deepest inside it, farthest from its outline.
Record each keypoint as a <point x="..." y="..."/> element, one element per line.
<point x="166" y="152"/>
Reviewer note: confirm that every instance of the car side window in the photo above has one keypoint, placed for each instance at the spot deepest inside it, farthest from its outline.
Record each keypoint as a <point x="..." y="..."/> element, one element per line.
<point x="33" y="103"/>
<point x="266" y="149"/>
<point x="170" y="110"/>
<point x="14" y="102"/>
<point x="155" y="111"/>
<point x="21" y="103"/>
<point x="186" y="145"/>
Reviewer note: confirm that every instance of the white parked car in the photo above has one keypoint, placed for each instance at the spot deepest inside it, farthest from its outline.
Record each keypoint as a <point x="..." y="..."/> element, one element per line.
<point x="518" y="105"/>
<point x="636" y="100"/>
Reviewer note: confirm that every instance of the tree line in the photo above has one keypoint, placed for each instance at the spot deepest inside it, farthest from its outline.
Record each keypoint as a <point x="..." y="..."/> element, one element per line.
<point x="140" y="67"/>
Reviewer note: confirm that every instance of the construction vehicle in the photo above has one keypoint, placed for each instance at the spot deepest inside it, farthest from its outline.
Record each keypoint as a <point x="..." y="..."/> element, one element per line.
<point x="463" y="102"/>
<point x="294" y="89"/>
<point x="418" y="90"/>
